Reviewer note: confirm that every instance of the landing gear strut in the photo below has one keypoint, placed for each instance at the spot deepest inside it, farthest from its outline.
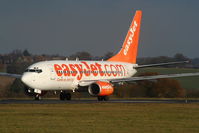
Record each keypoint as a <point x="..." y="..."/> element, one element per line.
<point x="103" y="98"/>
<point x="37" y="97"/>
<point x="64" y="96"/>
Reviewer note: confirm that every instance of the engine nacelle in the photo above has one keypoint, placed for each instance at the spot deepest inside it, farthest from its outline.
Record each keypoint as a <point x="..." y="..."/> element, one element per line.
<point x="100" y="88"/>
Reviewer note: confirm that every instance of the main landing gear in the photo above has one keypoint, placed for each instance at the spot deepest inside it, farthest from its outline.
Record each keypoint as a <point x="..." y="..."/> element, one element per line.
<point x="103" y="98"/>
<point x="64" y="96"/>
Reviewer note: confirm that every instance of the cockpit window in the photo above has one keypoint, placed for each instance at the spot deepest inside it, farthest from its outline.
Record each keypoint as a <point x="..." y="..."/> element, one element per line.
<point x="33" y="70"/>
<point x="39" y="70"/>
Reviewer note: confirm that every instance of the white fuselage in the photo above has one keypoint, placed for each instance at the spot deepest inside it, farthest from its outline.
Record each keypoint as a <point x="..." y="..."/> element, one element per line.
<point x="68" y="75"/>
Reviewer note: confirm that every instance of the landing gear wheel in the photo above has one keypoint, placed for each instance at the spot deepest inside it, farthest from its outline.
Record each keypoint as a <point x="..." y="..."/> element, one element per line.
<point x="100" y="98"/>
<point x="37" y="97"/>
<point x="106" y="98"/>
<point x="103" y="98"/>
<point x="61" y="96"/>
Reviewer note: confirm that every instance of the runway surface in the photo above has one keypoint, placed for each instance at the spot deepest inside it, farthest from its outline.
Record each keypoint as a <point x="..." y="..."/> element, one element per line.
<point x="56" y="101"/>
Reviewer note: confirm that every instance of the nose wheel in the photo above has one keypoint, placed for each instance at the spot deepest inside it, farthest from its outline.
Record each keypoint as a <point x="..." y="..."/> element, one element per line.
<point x="37" y="97"/>
<point x="64" y="96"/>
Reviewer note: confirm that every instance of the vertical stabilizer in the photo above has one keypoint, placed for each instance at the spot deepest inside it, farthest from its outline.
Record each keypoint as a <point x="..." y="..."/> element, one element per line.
<point x="128" y="52"/>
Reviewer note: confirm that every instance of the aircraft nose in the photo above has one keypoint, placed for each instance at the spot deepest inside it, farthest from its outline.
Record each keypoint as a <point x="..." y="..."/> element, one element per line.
<point x="26" y="78"/>
<point x="29" y="80"/>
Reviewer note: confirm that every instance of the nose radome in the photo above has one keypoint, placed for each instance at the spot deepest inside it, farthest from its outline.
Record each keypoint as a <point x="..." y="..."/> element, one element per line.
<point x="29" y="80"/>
<point x="26" y="78"/>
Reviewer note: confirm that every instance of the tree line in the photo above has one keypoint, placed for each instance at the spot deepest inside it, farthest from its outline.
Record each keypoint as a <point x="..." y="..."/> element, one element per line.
<point x="18" y="60"/>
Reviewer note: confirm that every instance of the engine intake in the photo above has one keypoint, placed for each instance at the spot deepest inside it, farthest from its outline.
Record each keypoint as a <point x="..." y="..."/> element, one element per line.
<point x="100" y="88"/>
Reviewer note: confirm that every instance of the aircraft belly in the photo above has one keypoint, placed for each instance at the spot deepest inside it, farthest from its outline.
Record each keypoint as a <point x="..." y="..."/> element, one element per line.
<point x="55" y="84"/>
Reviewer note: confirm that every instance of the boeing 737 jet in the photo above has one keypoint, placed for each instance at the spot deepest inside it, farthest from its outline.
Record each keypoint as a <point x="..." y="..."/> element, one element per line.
<point x="97" y="77"/>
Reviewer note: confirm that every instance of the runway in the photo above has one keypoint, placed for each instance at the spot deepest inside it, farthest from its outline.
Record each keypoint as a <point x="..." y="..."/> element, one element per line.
<point x="56" y="101"/>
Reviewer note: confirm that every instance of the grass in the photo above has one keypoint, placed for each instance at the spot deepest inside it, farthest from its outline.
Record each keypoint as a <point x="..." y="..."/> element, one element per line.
<point x="99" y="118"/>
<point x="186" y="82"/>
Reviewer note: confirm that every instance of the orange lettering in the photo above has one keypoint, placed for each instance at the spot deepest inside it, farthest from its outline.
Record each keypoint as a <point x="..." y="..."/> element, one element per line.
<point x="100" y="69"/>
<point x="73" y="70"/>
<point x="66" y="70"/>
<point x="94" y="69"/>
<point x="107" y="71"/>
<point x="87" y="70"/>
<point x="80" y="70"/>
<point x="58" y="69"/>
<point x="113" y="71"/>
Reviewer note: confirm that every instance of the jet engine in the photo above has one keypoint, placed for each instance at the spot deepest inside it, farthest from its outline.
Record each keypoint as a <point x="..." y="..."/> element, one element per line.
<point x="100" y="88"/>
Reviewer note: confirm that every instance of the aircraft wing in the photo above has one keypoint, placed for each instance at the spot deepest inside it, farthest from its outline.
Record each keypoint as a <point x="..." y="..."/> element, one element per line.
<point x="139" y="78"/>
<point x="161" y="64"/>
<point x="11" y="75"/>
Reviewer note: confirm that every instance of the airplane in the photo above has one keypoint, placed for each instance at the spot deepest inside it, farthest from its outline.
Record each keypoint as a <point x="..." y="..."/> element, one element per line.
<point x="97" y="77"/>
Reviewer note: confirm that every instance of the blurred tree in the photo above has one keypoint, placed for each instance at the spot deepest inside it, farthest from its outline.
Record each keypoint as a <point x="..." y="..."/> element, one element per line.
<point x="180" y="57"/>
<point x="17" y="86"/>
<point x="26" y="53"/>
<point x="81" y="55"/>
<point x="169" y="88"/>
<point x="17" y="68"/>
<point x="16" y="52"/>
<point x="108" y="55"/>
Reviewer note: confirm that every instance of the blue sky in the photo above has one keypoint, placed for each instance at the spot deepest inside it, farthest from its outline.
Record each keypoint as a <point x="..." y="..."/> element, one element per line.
<point x="98" y="26"/>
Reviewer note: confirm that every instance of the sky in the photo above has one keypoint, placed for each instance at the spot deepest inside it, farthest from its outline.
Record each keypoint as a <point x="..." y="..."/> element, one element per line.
<point x="97" y="26"/>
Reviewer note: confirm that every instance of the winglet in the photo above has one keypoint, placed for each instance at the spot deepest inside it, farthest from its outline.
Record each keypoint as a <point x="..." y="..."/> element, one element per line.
<point x="128" y="52"/>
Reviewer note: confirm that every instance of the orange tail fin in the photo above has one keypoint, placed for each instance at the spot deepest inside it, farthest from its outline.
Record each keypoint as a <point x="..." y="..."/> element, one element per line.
<point x="128" y="52"/>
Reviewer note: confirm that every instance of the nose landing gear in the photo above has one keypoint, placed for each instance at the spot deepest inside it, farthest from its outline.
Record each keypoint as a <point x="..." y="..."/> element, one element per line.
<point x="37" y="97"/>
